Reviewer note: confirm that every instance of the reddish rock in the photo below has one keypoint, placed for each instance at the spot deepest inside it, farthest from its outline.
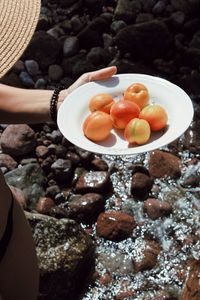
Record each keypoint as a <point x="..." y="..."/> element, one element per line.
<point x="41" y="151"/>
<point x="191" y="289"/>
<point x="163" y="295"/>
<point x="105" y="279"/>
<point x="86" y="208"/>
<point x="156" y="209"/>
<point x="99" y="164"/>
<point x="93" y="182"/>
<point x="115" y="225"/>
<point x="163" y="164"/>
<point x="125" y="295"/>
<point x="7" y="161"/>
<point x="19" y="196"/>
<point x="149" y="258"/>
<point x="44" y="205"/>
<point x="18" y="140"/>
<point x="141" y="185"/>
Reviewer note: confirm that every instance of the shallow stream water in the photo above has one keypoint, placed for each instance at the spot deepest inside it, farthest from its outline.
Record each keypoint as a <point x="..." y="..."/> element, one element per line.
<point x="173" y="234"/>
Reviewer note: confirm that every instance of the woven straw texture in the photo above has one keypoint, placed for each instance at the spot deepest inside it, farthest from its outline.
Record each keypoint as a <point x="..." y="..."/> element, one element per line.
<point x="18" y="20"/>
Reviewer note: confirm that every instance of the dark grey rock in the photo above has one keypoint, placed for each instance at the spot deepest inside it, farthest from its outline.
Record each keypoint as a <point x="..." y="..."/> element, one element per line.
<point x="62" y="169"/>
<point x="145" y="41"/>
<point x="26" y="80"/>
<point x="55" y="73"/>
<point x="65" y="252"/>
<point x="127" y="10"/>
<point x="70" y="46"/>
<point x="32" y="67"/>
<point x="116" y="26"/>
<point x="30" y="179"/>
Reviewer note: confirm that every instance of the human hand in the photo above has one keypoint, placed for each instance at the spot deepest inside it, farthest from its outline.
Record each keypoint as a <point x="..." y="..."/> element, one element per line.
<point x="101" y="74"/>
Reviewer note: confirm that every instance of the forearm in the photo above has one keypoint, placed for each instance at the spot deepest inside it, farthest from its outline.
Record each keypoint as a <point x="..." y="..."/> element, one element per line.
<point x="24" y="106"/>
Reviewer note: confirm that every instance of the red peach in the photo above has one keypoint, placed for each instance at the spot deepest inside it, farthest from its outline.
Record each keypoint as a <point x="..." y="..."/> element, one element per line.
<point x="138" y="93"/>
<point x="122" y="112"/>
<point x="155" y="115"/>
<point x="137" y="131"/>
<point x="102" y="102"/>
<point x="97" y="126"/>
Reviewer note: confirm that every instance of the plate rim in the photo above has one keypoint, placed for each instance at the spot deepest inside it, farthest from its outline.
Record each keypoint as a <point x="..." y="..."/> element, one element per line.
<point x="127" y="151"/>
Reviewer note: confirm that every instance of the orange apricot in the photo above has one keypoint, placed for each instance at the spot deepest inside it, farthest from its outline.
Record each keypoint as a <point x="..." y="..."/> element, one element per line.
<point x="137" y="131"/>
<point x="122" y="112"/>
<point x="102" y="102"/>
<point x="97" y="126"/>
<point x="155" y="115"/>
<point x="138" y="93"/>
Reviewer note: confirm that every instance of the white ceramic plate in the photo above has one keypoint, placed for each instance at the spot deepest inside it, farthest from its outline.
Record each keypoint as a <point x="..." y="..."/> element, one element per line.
<point x="74" y="110"/>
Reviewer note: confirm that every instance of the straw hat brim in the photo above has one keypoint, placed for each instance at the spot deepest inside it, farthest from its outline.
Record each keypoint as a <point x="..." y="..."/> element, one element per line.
<point x="18" y="20"/>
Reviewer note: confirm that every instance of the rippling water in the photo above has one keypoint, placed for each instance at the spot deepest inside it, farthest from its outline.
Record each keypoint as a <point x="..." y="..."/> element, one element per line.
<point x="171" y="232"/>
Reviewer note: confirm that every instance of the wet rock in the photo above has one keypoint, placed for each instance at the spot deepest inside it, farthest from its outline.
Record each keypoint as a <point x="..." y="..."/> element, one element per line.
<point x="43" y="48"/>
<point x="30" y="179"/>
<point x="86" y="208"/>
<point x="62" y="169"/>
<point x="18" y="140"/>
<point x="164" y="295"/>
<point x="7" y="161"/>
<point x="149" y="258"/>
<point x="163" y="164"/>
<point x="44" y="205"/>
<point x="93" y="182"/>
<point x="19" y="196"/>
<point x="127" y="10"/>
<point x="125" y="295"/>
<point x="115" y="225"/>
<point x="191" y="177"/>
<point x="157" y="209"/>
<point x="135" y="39"/>
<point x="99" y="164"/>
<point x="141" y="185"/>
<point x="191" y="289"/>
<point x="65" y="255"/>
<point x="116" y="262"/>
<point x="105" y="279"/>
<point x="191" y="140"/>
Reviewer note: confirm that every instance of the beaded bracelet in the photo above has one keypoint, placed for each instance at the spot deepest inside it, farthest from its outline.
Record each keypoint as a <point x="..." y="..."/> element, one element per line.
<point x="54" y="102"/>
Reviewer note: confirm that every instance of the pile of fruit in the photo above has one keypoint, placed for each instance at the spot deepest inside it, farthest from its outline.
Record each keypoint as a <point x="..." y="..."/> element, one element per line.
<point x="133" y="113"/>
